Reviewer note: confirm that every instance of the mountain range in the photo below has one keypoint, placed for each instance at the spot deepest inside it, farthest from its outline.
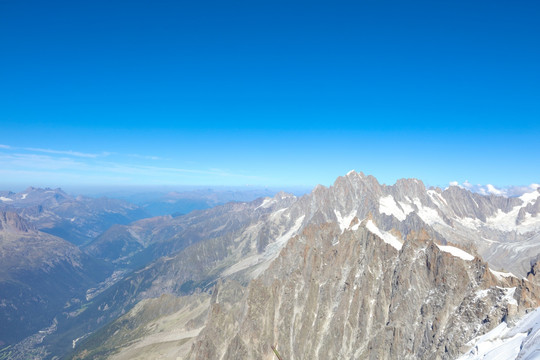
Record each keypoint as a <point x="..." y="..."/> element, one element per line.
<point x="357" y="270"/>
<point x="76" y="219"/>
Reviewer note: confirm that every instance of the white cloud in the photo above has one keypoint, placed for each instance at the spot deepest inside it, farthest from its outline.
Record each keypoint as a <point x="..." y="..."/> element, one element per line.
<point x="481" y="191"/>
<point x="489" y="189"/>
<point x="467" y="185"/>
<point x="493" y="190"/>
<point x="2" y="146"/>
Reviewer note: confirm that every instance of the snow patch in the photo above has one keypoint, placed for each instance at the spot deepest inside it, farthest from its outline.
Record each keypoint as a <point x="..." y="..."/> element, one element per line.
<point x="475" y="203"/>
<point x="262" y="261"/>
<point x="384" y="235"/>
<point x="266" y="203"/>
<point x="278" y="213"/>
<point x="454" y="251"/>
<point x="482" y="293"/>
<point x="469" y="222"/>
<point x="530" y="223"/>
<point x="388" y="206"/>
<point x="5" y="199"/>
<point x="407" y="208"/>
<point x="23" y="196"/>
<point x="529" y="198"/>
<point x="429" y="215"/>
<point x="509" y="295"/>
<point x="500" y="275"/>
<point x="272" y="250"/>
<point x="242" y="264"/>
<point x="507" y="221"/>
<point x="356" y="226"/>
<point x="344" y="222"/>
<point x="437" y="198"/>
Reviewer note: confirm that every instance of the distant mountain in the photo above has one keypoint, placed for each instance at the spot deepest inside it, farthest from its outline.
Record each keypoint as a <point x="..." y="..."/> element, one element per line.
<point x="76" y="219"/>
<point x="183" y="202"/>
<point x="41" y="276"/>
<point x="356" y="270"/>
<point x="124" y="244"/>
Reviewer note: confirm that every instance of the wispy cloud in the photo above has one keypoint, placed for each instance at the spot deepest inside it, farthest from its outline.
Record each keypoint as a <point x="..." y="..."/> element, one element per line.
<point x="65" y="166"/>
<point x="78" y="154"/>
<point x="37" y="161"/>
<point x="67" y="152"/>
<point x="145" y="157"/>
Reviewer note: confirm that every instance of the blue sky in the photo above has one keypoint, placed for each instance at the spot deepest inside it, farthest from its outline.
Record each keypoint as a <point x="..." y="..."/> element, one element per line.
<point x="268" y="93"/>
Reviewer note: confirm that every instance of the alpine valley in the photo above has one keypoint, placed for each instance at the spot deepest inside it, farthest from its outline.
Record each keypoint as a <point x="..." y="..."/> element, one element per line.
<point x="357" y="270"/>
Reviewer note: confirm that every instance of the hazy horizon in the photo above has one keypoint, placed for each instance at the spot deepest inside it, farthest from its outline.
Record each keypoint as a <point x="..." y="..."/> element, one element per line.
<point x="127" y="191"/>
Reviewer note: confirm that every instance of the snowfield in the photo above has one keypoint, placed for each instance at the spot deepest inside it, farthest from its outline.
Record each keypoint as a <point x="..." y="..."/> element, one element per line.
<point x="508" y="343"/>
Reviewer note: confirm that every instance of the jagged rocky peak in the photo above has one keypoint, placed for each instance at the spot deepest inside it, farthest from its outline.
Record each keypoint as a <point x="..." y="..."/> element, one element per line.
<point x="410" y="186"/>
<point x="283" y="199"/>
<point x="13" y="223"/>
<point x="365" y="191"/>
<point x="33" y="195"/>
<point x="318" y="188"/>
<point x="344" y="197"/>
<point x="357" y="180"/>
<point x="48" y="190"/>
<point x="282" y="195"/>
<point x="278" y="201"/>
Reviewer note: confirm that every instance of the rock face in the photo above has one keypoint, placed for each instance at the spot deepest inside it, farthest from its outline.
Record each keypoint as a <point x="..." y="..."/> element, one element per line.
<point x="12" y="223"/>
<point x="167" y="322"/>
<point x="352" y="296"/>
